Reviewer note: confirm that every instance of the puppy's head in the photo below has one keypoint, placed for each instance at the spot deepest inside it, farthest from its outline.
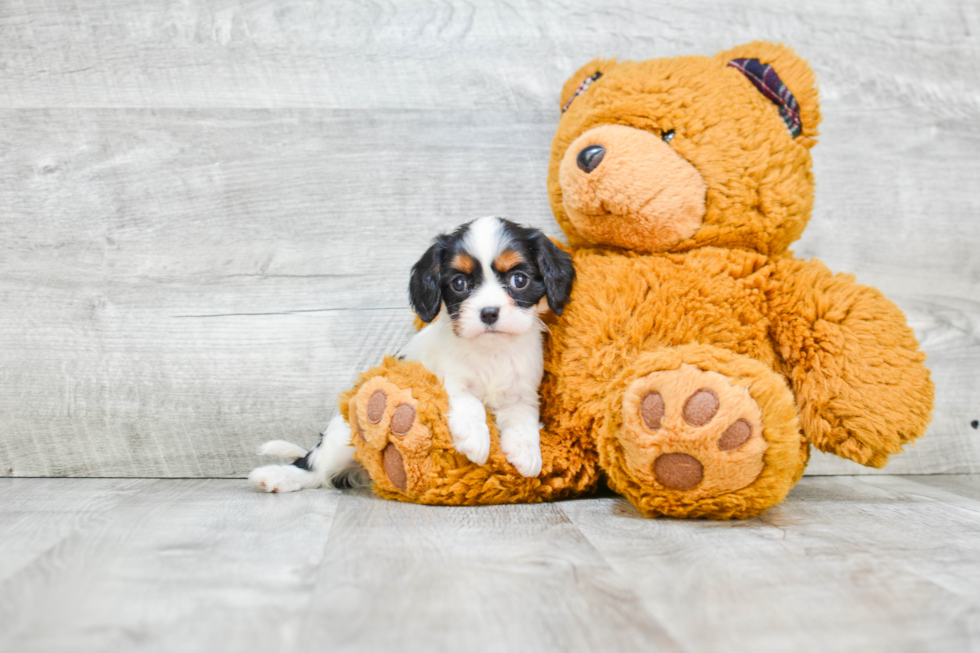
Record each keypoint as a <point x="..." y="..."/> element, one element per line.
<point x="491" y="275"/>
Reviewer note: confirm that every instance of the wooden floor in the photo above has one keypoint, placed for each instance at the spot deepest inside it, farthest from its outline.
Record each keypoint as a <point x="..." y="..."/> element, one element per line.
<point x="879" y="563"/>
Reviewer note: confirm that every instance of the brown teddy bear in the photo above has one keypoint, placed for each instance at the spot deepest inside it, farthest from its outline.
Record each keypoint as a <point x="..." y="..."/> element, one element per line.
<point x="698" y="360"/>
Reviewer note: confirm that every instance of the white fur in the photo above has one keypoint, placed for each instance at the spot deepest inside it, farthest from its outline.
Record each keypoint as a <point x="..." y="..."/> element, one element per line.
<point x="282" y="449"/>
<point x="499" y="371"/>
<point x="485" y="240"/>
<point x="520" y="438"/>
<point x="333" y="455"/>
<point x="497" y="368"/>
<point x="281" y="478"/>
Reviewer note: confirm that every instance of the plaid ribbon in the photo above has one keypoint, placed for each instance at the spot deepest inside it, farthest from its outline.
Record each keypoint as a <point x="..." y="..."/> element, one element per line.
<point x="764" y="77"/>
<point x="581" y="89"/>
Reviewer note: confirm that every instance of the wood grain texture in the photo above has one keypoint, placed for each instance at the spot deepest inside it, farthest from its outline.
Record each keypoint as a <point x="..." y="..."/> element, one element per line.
<point x="209" y="209"/>
<point x="193" y="565"/>
<point x="407" y="577"/>
<point x="421" y="54"/>
<point x="967" y="485"/>
<point x="849" y="564"/>
<point x="36" y="516"/>
<point x="845" y="564"/>
<point x="143" y="391"/>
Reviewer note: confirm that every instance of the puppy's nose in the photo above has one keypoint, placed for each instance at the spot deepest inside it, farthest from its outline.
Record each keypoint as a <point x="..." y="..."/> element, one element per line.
<point x="590" y="158"/>
<point x="489" y="315"/>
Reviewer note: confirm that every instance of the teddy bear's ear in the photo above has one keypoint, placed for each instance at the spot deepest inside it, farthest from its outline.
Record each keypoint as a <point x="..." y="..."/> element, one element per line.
<point x="784" y="78"/>
<point x="582" y="79"/>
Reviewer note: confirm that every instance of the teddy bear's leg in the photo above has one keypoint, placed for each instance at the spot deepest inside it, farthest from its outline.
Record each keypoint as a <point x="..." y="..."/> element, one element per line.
<point x="391" y="441"/>
<point x="699" y="431"/>
<point x="398" y="418"/>
<point x="855" y="365"/>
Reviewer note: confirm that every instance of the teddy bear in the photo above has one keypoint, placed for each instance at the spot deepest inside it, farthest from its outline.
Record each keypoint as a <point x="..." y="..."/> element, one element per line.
<point x="698" y="360"/>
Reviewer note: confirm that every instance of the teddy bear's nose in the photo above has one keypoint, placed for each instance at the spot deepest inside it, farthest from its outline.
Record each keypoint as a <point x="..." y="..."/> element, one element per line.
<point x="590" y="158"/>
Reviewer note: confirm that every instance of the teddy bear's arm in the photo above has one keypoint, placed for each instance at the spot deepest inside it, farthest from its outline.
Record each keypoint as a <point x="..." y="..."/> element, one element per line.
<point x="854" y="365"/>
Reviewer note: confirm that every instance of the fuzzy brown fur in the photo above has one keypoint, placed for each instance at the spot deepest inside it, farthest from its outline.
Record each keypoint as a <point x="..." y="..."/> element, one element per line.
<point x="697" y="360"/>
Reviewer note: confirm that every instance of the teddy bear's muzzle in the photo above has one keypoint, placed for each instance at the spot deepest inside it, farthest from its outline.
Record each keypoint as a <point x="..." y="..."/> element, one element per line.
<point x="626" y="187"/>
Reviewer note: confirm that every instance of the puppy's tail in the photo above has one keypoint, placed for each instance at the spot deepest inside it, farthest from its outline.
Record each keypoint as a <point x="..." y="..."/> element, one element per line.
<point x="282" y="449"/>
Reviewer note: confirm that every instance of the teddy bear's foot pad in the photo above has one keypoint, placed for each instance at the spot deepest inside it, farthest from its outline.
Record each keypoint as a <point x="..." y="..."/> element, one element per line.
<point x="692" y="431"/>
<point x="384" y="417"/>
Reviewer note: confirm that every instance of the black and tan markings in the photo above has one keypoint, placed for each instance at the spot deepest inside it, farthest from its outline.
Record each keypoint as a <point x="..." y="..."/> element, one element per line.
<point x="529" y="266"/>
<point x="463" y="263"/>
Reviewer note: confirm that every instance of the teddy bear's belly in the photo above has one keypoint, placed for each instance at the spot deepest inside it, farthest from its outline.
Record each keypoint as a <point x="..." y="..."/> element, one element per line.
<point x="623" y="306"/>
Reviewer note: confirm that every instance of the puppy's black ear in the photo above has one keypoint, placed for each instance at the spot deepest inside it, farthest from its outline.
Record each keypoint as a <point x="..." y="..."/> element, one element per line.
<point x="557" y="270"/>
<point x="424" y="289"/>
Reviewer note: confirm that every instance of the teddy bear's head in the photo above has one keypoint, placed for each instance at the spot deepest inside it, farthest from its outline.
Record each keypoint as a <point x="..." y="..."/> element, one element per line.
<point x="668" y="155"/>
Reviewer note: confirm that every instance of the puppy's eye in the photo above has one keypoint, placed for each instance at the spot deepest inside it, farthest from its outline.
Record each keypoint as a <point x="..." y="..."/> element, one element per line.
<point x="518" y="281"/>
<point x="668" y="135"/>
<point x="459" y="284"/>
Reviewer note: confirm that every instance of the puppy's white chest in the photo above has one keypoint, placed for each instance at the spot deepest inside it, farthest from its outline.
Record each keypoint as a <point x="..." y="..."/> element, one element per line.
<point x="504" y="377"/>
<point x="492" y="390"/>
<point x="499" y="371"/>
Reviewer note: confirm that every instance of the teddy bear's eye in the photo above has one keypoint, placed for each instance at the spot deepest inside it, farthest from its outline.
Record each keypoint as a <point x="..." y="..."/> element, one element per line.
<point x="668" y="135"/>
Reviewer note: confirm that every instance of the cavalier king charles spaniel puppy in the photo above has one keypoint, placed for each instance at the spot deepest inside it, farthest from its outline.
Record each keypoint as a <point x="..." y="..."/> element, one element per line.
<point x="481" y="290"/>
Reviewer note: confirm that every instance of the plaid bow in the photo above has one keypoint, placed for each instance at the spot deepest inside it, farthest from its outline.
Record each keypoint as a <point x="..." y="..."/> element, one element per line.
<point x="581" y="89"/>
<point x="764" y="77"/>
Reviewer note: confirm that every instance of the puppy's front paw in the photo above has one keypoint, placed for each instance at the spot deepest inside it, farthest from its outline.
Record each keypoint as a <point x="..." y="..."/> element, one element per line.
<point x="471" y="435"/>
<point x="522" y="449"/>
<point x="275" y="478"/>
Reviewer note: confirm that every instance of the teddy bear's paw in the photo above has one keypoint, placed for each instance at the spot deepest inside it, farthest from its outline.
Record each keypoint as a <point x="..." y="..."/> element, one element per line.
<point x="692" y="431"/>
<point x="384" y="418"/>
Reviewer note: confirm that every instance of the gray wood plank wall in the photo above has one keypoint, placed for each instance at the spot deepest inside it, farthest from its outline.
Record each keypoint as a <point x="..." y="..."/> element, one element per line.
<point x="208" y="209"/>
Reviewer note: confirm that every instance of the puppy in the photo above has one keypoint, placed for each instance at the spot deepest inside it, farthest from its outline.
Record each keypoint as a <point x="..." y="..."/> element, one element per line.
<point x="482" y="290"/>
